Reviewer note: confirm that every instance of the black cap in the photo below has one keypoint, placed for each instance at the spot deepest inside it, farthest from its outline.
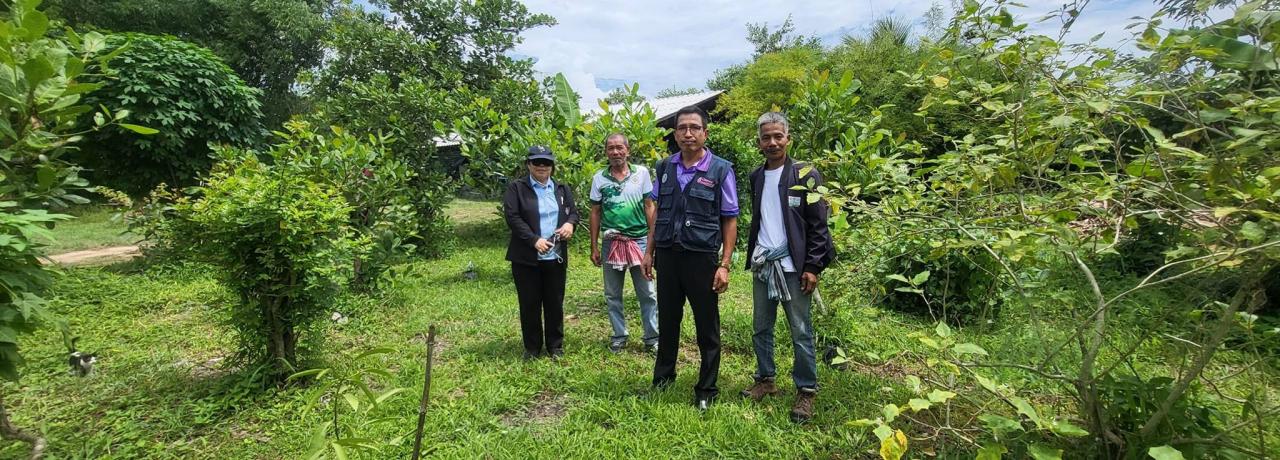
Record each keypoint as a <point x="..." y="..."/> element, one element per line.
<point x="540" y="152"/>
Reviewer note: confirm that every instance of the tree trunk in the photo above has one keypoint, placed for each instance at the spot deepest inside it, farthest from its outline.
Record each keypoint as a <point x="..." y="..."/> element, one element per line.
<point x="280" y="346"/>
<point x="8" y="431"/>
<point x="1248" y="291"/>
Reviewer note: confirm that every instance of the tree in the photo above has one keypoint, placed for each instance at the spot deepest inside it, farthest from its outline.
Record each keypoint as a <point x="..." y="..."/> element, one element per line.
<point x="676" y="91"/>
<point x="398" y="72"/>
<point x="41" y="84"/>
<point x="267" y="42"/>
<point x="772" y="80"/>
<point x="620" y="95"/>
<point x="179" y="87"/>
<point x="780" y="39"/>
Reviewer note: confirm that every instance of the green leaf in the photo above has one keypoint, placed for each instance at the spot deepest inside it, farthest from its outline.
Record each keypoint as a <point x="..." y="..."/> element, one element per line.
<point x="991" y="451"/>
<point x="565" y="100"/>
<point x="139" y="129"/>
<point x="1000" y="425"/>
<point x="917" y="404"/>
<point x="1064" y="428"/>
<point x="940" y="396"/>
<point x="1164" y="453"/>
<point x="1025" y="408"/>
<point x="1043" y="452"/>
<point x="1100" y="106"/>
<point x="352" y="401"/>
<point x="1224" y="211"/>
<point x="890" y="412"/>
<point x="1253" y="232"/>
<point x="1062" y="121"/>
<point x="897" y="277"/>
<point x="317" y="444"/>
<point x="36" y="23"/>
<point x="920" y="278"/>
<point x="943" y="330"/>
<point x="338" y="451"/>
<point x="988" y="384"/>
<point x="45" y="176"/>
<point x="389" y="393"/>
<point x="862" y="423"/>
<point x="914" y="383"/>
<point x="969" y="349"/>
<point x="883" y="432"/>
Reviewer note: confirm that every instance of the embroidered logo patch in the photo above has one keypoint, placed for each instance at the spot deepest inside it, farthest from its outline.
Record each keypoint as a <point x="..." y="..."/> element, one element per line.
<point x="706" y="182"/>
<point x="793" y="201"/>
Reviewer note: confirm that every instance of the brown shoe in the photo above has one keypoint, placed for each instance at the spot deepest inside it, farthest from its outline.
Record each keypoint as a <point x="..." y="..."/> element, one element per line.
<point x="760" y="389"/>
<point x="802" y="411"/>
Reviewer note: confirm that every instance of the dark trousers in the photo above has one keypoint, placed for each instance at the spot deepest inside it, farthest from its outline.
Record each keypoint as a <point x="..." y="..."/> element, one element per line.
<point x="687" y="275"/>
<point x="540" y="289"/>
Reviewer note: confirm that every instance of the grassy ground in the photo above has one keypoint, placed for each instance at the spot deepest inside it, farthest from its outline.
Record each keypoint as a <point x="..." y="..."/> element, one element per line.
<point x="93" y="227"/>
<point x="163" y="389"/>
<point x="161" y="392"/>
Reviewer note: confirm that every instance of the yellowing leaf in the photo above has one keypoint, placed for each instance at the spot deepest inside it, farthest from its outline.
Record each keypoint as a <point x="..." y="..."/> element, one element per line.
<point x="940" y="81"/>
<point x="894" y="447"/>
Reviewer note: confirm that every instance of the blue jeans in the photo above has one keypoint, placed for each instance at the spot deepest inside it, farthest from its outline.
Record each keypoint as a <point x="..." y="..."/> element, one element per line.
<point x="805" y="369"/>
<point x="613" y="281"/>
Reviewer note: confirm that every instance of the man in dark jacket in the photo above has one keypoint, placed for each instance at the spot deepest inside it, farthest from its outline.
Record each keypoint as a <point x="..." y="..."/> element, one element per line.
<point x="788" y="247"/>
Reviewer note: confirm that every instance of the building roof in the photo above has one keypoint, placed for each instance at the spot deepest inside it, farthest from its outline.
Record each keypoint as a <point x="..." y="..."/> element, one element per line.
<point x="665" y="107"/>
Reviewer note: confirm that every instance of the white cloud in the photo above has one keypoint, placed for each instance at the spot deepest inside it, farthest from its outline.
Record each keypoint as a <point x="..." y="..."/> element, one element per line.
<point x="665" y="43"/>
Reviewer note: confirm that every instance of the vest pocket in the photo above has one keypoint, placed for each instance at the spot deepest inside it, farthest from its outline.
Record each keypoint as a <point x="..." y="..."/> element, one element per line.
<point x="703" y="200"/>
<point x="702" y="233"/>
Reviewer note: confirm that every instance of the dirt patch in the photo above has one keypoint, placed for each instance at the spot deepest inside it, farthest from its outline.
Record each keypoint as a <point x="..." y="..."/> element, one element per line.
<point x="202" y="370"/>
<point x="545" y="408"/>
<point x="240" y="434"/>
<point x="888" y="370"/>
<point x="94" y="256"/>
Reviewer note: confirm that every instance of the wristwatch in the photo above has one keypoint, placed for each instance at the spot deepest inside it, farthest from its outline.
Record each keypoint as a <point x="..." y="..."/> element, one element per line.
<point x="724" y="265"/>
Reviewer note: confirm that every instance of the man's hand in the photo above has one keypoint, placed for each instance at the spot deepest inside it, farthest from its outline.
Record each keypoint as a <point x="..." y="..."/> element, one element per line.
<point x="808" y="282"/>
<point x="646" y="265"/>
<point x="565" y="231"/>
<point x="542" y="245"/>
<point x="721" y="281"/>
<point x="595" y="256"/>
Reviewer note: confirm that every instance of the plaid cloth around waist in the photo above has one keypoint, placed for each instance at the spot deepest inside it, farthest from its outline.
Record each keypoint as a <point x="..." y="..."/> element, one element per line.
<point x="624" y="253"/>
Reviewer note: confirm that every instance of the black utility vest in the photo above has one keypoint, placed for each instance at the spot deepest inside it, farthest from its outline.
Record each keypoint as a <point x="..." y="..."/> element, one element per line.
<point x="689" y="218"/>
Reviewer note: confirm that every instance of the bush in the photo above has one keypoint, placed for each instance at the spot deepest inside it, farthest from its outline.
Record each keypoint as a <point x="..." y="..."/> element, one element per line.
<point x="280" y="239"/>
<point x="960" y="286"/>
<point x="371" y="180"/>
<point x="182" y="90"/>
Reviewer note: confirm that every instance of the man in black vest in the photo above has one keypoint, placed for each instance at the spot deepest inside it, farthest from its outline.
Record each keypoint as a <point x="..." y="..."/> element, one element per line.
<point x="697" y="201"/>
<point x="789" y="246"/>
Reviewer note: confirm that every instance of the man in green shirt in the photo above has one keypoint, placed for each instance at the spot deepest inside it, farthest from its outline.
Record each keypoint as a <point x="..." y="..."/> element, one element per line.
<point x="622" y="209"/>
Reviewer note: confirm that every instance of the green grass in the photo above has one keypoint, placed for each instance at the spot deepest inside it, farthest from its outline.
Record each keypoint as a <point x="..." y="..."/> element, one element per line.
<point x="93" y="227"/>
<point x="162" y="389"/>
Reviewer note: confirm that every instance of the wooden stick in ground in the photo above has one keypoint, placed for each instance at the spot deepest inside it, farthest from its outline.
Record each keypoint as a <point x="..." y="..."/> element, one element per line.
<point x="426" y="394"/>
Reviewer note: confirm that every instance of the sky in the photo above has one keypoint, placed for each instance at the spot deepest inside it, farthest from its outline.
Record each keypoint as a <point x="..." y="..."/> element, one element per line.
<point x="602" y="44"/>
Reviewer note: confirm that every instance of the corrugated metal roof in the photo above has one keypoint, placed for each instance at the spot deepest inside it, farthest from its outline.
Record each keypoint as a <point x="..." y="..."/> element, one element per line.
<point x="667" y="106"/>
